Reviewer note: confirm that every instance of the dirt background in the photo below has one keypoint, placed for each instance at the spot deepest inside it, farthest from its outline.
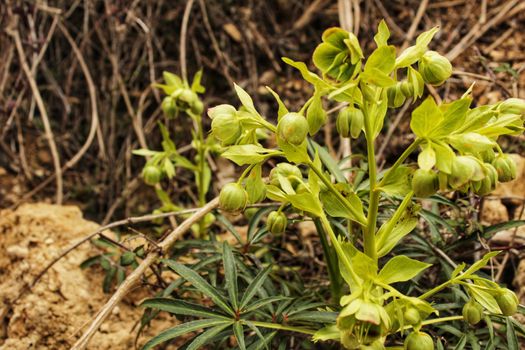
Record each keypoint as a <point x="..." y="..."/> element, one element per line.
<point x="125" y="45"/>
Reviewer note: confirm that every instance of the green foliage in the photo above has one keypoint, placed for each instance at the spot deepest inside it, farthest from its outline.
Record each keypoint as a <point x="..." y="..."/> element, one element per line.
<point x="360" y="223"/>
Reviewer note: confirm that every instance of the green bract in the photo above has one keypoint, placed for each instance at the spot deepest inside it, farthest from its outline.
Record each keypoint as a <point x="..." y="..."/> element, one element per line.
<point x="339" y="56"/>
<point x="434" y="68"/>
<point x="233" y="198"/>
<point x="292" y="128"/>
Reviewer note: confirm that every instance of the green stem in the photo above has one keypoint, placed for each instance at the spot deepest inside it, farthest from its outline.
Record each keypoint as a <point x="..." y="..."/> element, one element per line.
<point x="337" y="246"/>
<point x="413" y="146"/>
<point x="245" y="172"/>
<point x="281" y="327"/>
<point x="437" y="289"/>
<point x="201" y="153"/>
<point x="373" y="206"/>
<point x="360" y="219"/>
<point x="435" y="320"/>
<point x="330" y="257"/>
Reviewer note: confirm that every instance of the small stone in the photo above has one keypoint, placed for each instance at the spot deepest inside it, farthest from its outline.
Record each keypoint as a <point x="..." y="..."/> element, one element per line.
<point x="16" y="251"/>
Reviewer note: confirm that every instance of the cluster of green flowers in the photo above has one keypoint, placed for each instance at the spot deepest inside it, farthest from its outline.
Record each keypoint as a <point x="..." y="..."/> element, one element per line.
<point x="458" y="152"/>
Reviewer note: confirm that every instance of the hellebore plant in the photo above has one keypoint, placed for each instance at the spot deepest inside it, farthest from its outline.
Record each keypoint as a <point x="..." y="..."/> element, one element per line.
<point x="181" y="99"/>
<point x="458" y="151"/>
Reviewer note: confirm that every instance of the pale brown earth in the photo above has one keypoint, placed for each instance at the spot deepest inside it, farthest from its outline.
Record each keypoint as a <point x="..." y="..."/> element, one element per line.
<point x="52" y="315"/>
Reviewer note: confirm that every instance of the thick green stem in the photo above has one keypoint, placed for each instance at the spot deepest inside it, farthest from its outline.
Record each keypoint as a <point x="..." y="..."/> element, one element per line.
<point x="330" y="257"/>
<point x="369" y="236"/>
<point x="281" y="327"/>
<point x="359" y="218"/>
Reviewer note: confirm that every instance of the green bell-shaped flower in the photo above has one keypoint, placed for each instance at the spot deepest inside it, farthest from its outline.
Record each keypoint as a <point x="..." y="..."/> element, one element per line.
<point x="339" y="55"/>
<point x="419" y="341"/>
<point x="169" y="106"/>
<point x="292" y="128"/>
<point x="465" y="169"/>
<point x="276" y="222"/>
<point x="287" y="170"/>
<point x="507" y="302"/>
<point x="506" y="168"/>
<point x="512" y="106"/>
<point x="472" y="312"/>
<point x="350" y="122"/>
<point x="395" y="95"/>
<point x="225" y="124"/>
<point x="434" y="68"/>
<point x="233" y="198"/>
<point x="425" y="183"/>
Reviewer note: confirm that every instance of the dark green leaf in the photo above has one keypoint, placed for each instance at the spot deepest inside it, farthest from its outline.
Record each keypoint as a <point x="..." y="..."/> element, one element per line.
<point x="254" y="286"/>
<point x="198" y="282"/>
<point x="230" y="273"/>
<point x="181" y="307"/>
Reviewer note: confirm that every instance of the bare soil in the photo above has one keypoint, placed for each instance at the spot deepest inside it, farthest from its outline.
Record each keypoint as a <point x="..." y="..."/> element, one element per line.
<point x="53" y="314"/>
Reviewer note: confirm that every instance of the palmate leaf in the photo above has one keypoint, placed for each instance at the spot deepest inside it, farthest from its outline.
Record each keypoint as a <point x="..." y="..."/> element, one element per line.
<point x="238" y="331"/>
<point x="198" y="282"/>
<point x="254" y="287"/>
<point x="206" y="337"/>
<point x="230" y="272"/>
<point x="263" y="342"/>
<point x="184" y="328"/>
<point x="181" y="307"/>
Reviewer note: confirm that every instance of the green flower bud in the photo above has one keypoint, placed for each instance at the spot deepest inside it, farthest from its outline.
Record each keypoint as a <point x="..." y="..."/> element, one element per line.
<point x="349" y="340"/>
<point x="434" y="68"/>
<point x="289" y="171"/>
<point x="412" y="316"/>
<point x="187" y="97"/>
<point x="151" y="175"/>
<point x="407" y="88"/>
<point x="425" y="183"/>
<point x="369" y="92"/>
<point x="350" y="122"/>
<point x="197" y="107"/>
<point x="512" y="106"/>
<point x="169" y="106"/>
<point x="250" y="212"/>
<point x="292" y="128"/>
<point x="472" y="312"/>
<point x="507" y="302"/>
<point x="506" y="168"/>
<point x="396" y="98"/>
<point x="488" y="183"/>
<point x="419" y="341"/>
<point x="225" y="125"/>
<point x="233" y="198"/>
<point x="277" y="222"/>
